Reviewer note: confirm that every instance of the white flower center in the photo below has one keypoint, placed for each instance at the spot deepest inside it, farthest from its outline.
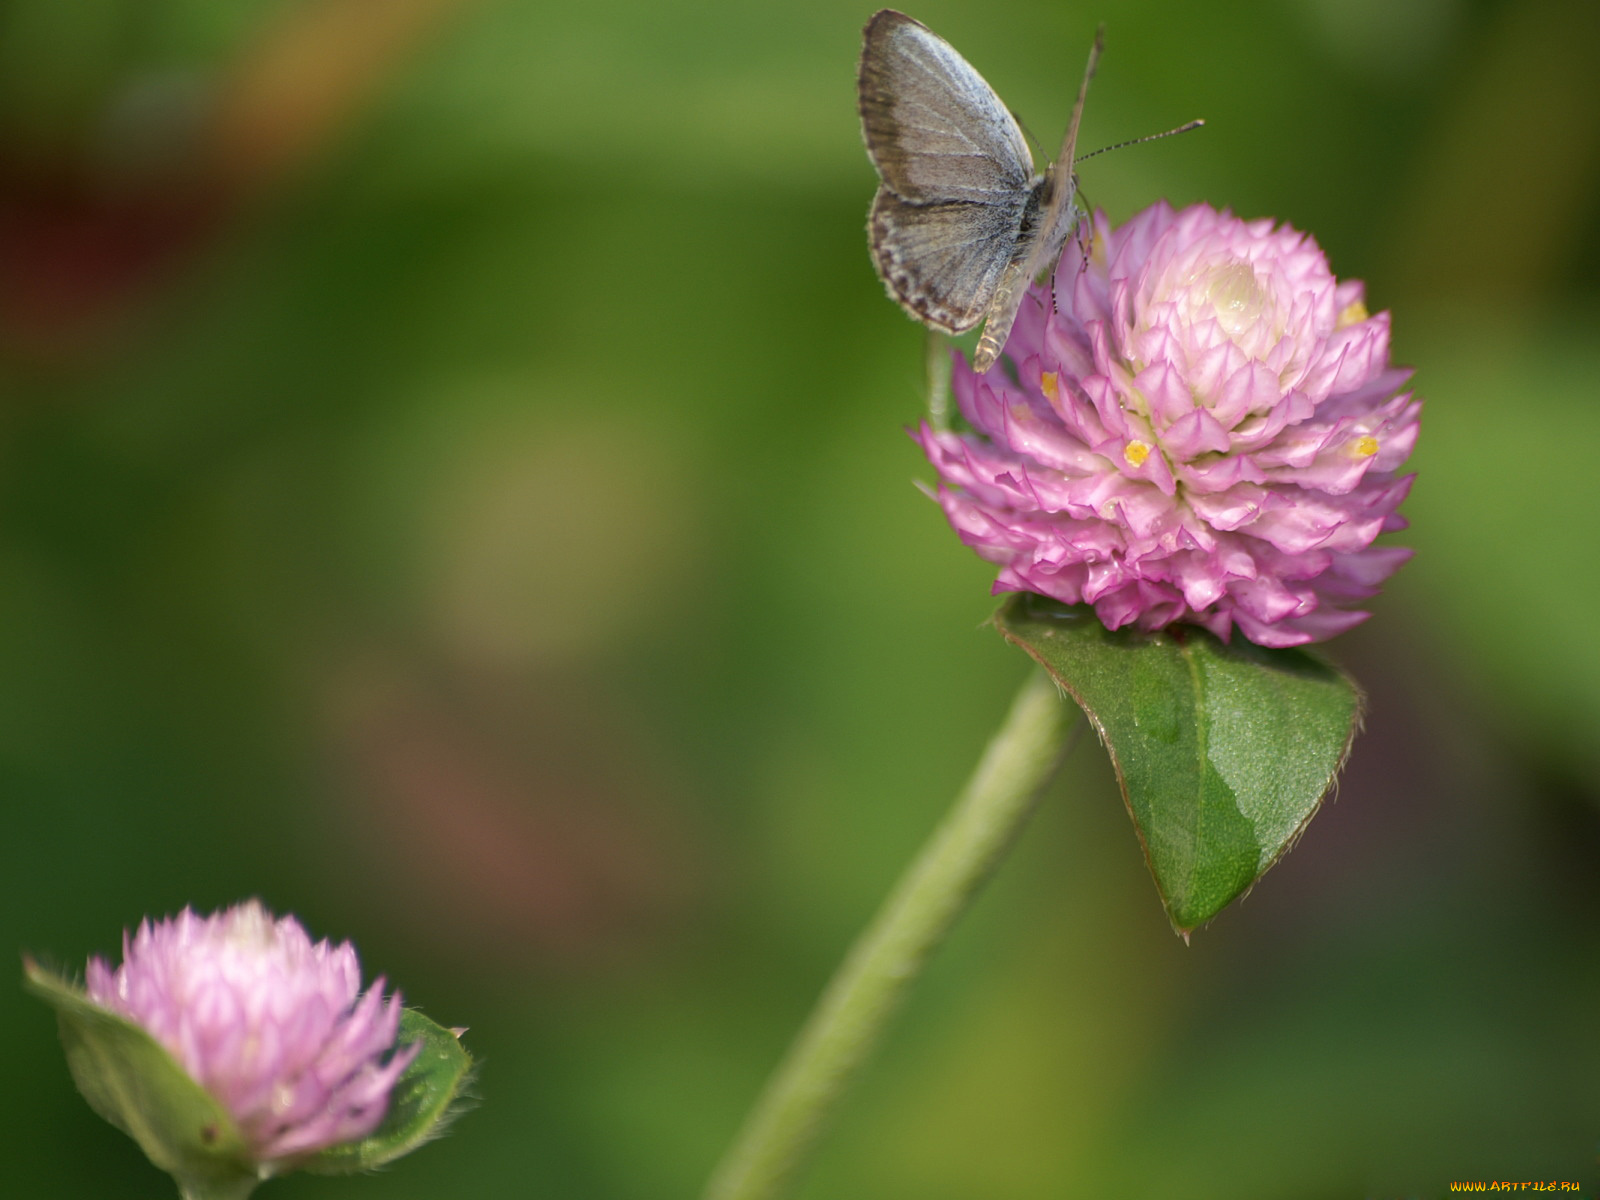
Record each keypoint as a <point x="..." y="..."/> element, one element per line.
<point x="251" y="928"/>
<point x="1235" y="296"/>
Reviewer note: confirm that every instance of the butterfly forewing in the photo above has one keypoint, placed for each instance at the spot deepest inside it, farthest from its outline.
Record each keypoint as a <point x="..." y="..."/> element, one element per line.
<point x="1058" y="216"/>
<point x="1060" y="208"/>
<point x="936" y="131"/>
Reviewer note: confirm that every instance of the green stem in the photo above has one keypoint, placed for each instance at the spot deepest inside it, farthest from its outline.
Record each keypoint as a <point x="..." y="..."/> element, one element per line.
<point x="936" y="358"/>
<point x="871" y="983"/>
<point x="234" y="1187"/>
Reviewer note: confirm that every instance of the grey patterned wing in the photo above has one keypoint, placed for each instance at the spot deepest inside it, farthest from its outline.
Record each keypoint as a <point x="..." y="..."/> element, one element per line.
<point x="1057" y="218"/>
<point x="941" y="262"/>
<point x="935" y="130"/>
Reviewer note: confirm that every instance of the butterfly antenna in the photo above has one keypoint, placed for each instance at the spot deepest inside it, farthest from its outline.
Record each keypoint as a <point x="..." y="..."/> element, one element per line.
<point x="1070" y="144"/>
<point x="1149" y="137"/>
<point x="1026" y="132"/>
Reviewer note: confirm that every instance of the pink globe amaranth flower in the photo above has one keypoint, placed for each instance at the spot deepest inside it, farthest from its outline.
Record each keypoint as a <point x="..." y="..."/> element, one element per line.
<point x="1204" y="427"/>
<point x="272" y="1025"/>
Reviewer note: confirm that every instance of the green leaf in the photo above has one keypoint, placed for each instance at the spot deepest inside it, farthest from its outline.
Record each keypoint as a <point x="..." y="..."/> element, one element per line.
<point x="132" y="1081"/>
<point x="418" y="1107"/>
<point x="1223" y="752"/>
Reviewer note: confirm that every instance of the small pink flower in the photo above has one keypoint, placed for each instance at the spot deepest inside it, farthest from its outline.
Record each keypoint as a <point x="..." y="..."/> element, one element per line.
<point x="1204" y="427"/>
<point x="274" y="1026"/>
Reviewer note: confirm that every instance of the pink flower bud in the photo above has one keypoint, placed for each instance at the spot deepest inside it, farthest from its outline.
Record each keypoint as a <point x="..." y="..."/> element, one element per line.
<point x="273" y="1026"/>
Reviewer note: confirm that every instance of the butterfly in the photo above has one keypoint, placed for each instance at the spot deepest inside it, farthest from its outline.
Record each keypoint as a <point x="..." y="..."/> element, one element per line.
<point x="961" y="223"/>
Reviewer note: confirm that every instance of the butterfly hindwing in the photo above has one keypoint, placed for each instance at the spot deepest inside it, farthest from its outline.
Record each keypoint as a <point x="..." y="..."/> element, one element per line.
<point x="941" y="261"/>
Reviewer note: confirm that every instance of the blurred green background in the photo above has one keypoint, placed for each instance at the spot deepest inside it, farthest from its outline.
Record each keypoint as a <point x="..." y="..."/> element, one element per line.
<point x="452" y="487"/>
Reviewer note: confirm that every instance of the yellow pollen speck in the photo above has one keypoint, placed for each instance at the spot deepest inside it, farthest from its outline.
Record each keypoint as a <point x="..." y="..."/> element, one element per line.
<point x="1050" y="382"/>
<point x="1137" y="452"/>
<point x="1354" y="313"/>
<point x="1366" y="447"/>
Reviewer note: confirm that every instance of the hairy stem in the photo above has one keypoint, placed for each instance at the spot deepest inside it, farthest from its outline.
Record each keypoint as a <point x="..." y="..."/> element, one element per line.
<point x="854" y="1011"/>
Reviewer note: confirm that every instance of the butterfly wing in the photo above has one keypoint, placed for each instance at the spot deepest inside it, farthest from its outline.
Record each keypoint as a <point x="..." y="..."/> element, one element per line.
<point x="935" y="130"/>
<point x="1060" y="194"/>
<point x="957" y="175"/>
<point x="941" y="261"/>
<point x="1058" y="216"/>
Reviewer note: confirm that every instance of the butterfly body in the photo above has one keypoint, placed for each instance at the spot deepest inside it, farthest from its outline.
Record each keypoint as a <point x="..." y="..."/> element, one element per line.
<point x="961" y="223"/>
